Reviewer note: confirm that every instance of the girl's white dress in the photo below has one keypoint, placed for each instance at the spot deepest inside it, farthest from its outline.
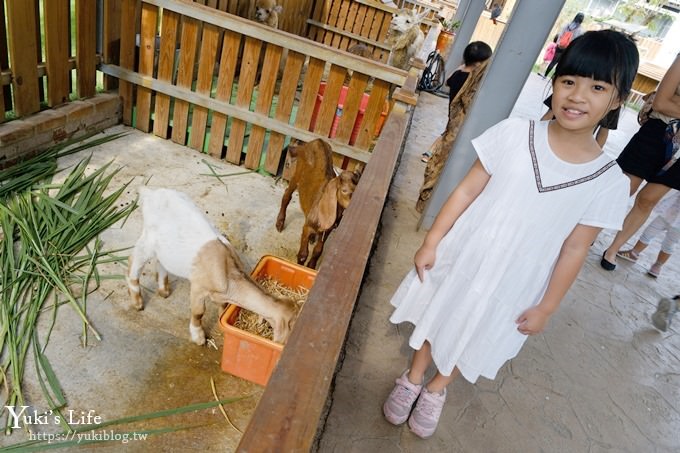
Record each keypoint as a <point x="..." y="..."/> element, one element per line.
<point x="496" y="260"/>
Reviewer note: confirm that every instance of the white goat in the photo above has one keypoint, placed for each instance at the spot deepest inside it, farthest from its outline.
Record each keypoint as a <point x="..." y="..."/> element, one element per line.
<point x="404" y="37"/>
<point x="185" y="244"/>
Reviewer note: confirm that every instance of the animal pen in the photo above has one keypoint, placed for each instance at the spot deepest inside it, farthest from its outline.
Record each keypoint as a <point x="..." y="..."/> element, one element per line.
<point x="239" y="91"/>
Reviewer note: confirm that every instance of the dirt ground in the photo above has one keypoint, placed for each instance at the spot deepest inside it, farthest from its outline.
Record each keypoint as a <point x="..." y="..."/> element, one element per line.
<point x="145" y="361"/>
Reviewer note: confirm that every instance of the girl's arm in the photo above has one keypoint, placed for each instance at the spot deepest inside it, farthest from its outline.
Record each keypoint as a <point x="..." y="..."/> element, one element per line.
<point x="572" y="255"/>
<point x="665" y="100"/>
<point x="465" y="193"/>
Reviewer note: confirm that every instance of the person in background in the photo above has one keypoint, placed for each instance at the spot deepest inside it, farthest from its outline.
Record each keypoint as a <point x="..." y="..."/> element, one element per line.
<point x="512" y="237"/>
<point x="549" y="54"/>
<point x="668" y="222"/>
<point x="651" y="156"/>
<point x="474" y="54"/>
<point x="570" y="32"/>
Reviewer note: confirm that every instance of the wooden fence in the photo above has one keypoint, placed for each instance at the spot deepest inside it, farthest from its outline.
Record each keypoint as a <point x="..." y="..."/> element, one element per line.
<point x="41" y="53"/>
<point x="213" y="81"/>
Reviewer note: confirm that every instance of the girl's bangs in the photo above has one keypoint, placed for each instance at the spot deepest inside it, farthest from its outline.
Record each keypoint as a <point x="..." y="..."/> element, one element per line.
<point x="588" y="63"/>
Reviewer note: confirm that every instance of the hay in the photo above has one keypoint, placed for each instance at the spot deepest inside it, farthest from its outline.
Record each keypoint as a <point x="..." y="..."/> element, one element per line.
<point x="256" y="324"/>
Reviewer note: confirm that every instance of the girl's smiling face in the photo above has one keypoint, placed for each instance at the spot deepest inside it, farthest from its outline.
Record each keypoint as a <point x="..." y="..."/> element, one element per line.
<point x="581" y="102"/>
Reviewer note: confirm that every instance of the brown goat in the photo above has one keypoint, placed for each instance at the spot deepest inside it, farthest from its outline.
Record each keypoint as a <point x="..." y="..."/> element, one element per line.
<point x="323" y="196"/>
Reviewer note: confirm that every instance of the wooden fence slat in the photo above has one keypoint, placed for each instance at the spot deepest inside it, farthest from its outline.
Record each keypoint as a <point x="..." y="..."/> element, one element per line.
<point x="231" y="42"/>
<point x="289" y="83"/>
<point x="319" y="14"/>
<point x="206" y="63"/>
<point x="346" y="43"/>
<point x="332" y="20"/>
<point x="127" y="55"/>
<point x="57" y="51"/>
<point x="246" y="83"/>
<point x="342" y="20"/>
<point x="5" y="90"/>
<point x="166" y="65"/>
<point x="368" y="22"/>
<point x="265" y="94"/>
<point x="111" y="39"/>
<point x="39" y="53"/>
<point x="86" y="47"/>
<point x="185" y="74"/>
<point x="355" y="95"/>
<point x="22" y="50"/>
<point x="375" y="106"/>
<point x="147" y="53"/>
<point x="328" y="109"/>
<point x="310" y="89"/>
<point x="377" y="25"/>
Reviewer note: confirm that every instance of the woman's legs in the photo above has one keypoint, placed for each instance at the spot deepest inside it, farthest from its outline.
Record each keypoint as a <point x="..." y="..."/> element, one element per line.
<point x="645" y="201"/>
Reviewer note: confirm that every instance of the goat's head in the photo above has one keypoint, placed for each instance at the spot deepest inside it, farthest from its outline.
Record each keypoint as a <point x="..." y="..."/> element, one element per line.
<point x="267" y="12"/>
<point x="282" y="326"/>
<point x="404" y="20"/>
<point x="336" y="193"/>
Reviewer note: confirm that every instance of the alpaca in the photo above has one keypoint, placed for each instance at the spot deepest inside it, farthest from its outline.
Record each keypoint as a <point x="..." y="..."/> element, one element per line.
<point x="404" y="38"/>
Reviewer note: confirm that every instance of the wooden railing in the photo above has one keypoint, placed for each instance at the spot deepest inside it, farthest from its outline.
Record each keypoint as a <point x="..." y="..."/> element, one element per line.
<point x="230" y="88"/>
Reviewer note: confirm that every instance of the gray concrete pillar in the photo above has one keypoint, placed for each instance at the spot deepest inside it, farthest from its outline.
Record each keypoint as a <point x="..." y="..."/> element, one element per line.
<point x="468" y="13"/>
<point x="525" y="33"/>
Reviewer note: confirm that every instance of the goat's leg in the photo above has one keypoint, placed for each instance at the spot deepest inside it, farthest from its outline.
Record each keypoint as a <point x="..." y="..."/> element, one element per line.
<point x="197" y="296"/>
<point x="162" y="279"/>
<point x="140" y="254"/>
<point x="287" y="195"/>
<point x="318" y="249"/>
<point x="307" y="231"/>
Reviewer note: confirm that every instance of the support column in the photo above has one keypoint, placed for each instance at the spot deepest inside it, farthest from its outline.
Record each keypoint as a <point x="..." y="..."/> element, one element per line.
<point x="510" y="66"/>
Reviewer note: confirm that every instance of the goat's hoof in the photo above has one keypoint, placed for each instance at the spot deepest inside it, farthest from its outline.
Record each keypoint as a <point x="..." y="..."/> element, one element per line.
<point x="163" y="292"/>
<point x="279" y="225"/>
<point x="197" y="335"/>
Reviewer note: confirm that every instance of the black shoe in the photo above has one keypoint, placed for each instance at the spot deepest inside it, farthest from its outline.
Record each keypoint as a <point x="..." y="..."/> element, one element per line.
<point x="606" y="265"/>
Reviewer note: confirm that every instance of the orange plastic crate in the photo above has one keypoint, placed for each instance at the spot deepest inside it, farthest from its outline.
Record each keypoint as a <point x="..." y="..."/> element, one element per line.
<point x="250" y="356"/>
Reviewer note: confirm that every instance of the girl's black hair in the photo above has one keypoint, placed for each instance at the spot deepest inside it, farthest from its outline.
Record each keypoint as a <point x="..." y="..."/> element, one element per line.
<point x="606" y="55"/>
<point x="476" y="52"/>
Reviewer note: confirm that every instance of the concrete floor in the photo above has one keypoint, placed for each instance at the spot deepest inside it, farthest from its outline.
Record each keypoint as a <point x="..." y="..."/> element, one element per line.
<point x="600" y="378"/>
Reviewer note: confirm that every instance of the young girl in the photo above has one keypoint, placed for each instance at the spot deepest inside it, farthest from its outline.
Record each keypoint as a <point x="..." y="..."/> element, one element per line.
<point x="512" y="237"/>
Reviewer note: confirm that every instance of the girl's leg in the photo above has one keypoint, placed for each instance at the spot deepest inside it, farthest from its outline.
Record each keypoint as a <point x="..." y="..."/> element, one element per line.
<point x="422" y="359"/>
<point x="645" y="201"/>
<point x="439" y="382"/>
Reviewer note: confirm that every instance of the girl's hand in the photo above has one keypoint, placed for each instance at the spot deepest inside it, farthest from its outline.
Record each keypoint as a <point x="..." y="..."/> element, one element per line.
<point x="424" y="260"/>
<point x="532" y="321"/>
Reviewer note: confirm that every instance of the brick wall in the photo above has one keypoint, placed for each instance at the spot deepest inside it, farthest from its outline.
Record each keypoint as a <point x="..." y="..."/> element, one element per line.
<point x="28" y="136"/>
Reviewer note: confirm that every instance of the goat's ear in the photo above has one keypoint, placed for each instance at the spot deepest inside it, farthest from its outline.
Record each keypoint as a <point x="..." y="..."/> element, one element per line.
<point x="325" y="211"/>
